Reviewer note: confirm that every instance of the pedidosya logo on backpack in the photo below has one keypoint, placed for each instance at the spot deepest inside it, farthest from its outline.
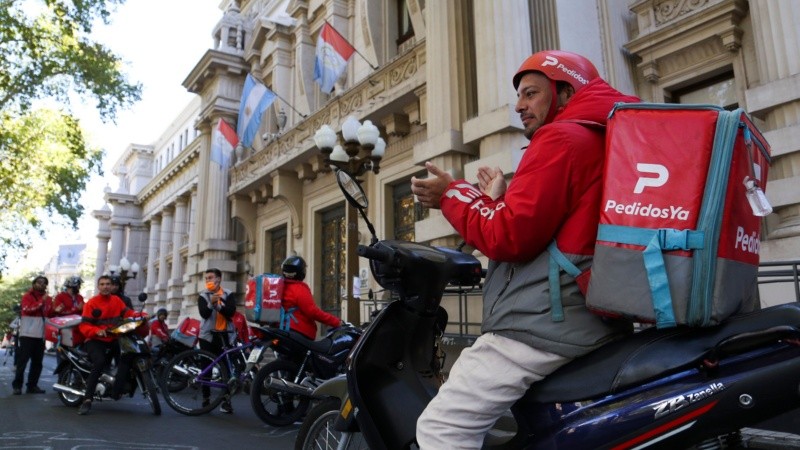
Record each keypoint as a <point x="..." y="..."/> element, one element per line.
<point x="648" y="210"/>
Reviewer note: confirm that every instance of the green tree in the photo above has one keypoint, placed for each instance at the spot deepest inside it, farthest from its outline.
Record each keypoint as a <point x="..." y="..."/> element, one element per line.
<point x="11" y="290"/>
<point x="47" y="56"/>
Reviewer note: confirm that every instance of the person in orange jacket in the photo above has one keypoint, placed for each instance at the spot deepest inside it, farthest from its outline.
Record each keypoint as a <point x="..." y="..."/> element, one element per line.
<point x="303" y="313"/>
<point x="102" y="312"/>
<point x="70" y="301"/>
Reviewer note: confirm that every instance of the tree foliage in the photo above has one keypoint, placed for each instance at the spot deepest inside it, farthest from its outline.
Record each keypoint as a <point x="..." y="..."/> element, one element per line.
<point x="47" y="54"/>
<point x="11" y="290"/>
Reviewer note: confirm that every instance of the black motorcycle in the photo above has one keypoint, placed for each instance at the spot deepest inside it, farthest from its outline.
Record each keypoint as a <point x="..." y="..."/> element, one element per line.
<point x="282" y="389"/>
<point x="161" y="359"/>
<point x="658" y="388"/>
<point x="75" y="366"/>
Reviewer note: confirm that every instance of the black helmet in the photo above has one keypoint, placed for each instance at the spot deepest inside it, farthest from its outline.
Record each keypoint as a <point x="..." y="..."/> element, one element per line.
<point x="74" y="281"/>
<point x="294" y="268"/>
<point x="116" y="280"/>
<point x="162" y="311"/>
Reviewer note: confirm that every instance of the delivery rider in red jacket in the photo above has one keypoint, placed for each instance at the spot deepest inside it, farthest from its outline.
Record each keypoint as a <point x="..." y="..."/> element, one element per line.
<point x="553" y="198"/>
<point x="70" y="301"/>
<point x="299" y="303"/>
<point x="101" y="313"/>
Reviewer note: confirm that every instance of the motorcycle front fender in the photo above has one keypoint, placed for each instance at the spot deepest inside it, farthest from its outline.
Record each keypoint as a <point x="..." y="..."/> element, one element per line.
<point x="391" y="379"/>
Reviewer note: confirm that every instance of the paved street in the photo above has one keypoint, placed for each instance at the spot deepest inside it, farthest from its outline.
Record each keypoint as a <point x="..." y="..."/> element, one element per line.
<point x="43" y="422"/>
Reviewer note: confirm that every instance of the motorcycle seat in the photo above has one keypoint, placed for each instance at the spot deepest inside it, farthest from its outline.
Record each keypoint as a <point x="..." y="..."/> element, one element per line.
<point x="320" y="346"/>
<point x="648" y="354"/>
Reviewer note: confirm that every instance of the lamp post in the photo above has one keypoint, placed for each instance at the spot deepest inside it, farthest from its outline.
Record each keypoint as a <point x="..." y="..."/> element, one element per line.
<point x="358" y="139"/>
<point x="126" y="270"/>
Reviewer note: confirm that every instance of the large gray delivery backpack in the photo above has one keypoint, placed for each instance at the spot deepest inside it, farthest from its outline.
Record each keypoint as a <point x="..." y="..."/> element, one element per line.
<point x="680" y="219"/>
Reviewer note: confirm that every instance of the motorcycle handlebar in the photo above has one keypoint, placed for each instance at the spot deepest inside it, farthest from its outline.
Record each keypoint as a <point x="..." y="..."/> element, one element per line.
<point x="380" y="254"/>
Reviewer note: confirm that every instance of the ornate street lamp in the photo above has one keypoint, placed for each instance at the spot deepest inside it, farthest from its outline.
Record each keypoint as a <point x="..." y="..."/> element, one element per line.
<point x="358" y="139"/>
<point x="126" y="271"/>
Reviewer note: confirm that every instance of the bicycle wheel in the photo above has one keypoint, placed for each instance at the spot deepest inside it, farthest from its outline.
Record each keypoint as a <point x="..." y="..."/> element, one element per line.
<point x="271" y="405"/>
<point x="317" y="433"/>
<point x="197" y="395"/>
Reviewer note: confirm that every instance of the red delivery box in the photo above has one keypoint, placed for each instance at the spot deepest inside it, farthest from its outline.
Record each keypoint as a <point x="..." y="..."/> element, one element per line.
<point x="262" y="300"/>
<point x="680" y="218"/>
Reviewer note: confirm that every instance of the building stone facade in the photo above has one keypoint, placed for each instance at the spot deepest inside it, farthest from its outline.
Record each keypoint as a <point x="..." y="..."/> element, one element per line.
<point x="435" y="76"/>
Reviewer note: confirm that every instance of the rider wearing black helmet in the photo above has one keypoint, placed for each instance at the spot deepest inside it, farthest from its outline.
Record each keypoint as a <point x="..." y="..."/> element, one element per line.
<point x="297" y="298"/>
<point x="119" y="291"/>
<point x="69" y="301"/>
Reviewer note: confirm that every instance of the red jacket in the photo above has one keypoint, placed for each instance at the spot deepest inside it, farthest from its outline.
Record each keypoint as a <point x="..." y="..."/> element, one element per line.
<point x="241" y="326"/>
<point x="34" y="307"/>
<point x="159" y="332"/>
<point x="554" y="195"/>
<point x="71" y="305"/>
<point x="297" y="294"/>
<point x="111" y="309"/>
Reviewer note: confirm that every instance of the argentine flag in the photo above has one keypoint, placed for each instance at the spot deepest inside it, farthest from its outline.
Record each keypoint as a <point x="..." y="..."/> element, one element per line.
<point x="256" y="98"/>
<point x="333" y="51"/>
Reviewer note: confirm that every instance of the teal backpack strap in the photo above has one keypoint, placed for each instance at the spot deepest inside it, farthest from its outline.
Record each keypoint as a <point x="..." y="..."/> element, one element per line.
<point x="710" y="217"/>
<point x="655" y="243"/>
<point x="259" y="297"/>
<point x="558" y="262"/>
<point x="287" y="317"/>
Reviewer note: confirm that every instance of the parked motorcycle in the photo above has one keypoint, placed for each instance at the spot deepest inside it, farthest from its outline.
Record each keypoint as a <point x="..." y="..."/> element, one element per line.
<point x="166" y="352"/>
<point x="74" y="369"/>
<point x="282" y="389"/>
<point x="668" y="388"/>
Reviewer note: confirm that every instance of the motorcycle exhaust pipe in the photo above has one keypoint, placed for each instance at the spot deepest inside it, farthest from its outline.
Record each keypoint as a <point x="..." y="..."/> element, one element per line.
<point x="68" y="390"/>
<point x="289" y="387"/>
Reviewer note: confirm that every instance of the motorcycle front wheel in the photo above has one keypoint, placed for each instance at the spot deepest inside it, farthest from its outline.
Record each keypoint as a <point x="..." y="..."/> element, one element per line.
<point x="317" y="433"/>
<point x="151" y="391"/>
<point x="71" y="377"/>
<point x="196" y="395"/>
<point x="272" y="405"/>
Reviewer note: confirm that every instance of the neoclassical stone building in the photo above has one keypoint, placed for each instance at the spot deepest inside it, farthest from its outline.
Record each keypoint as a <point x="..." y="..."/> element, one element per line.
<point x="435" y="76"/>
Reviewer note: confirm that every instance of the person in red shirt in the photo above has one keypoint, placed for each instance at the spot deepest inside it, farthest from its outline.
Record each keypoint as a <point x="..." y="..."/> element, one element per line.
<point x="101" y="313"/>
<point x="159" y="331"/>
<point x="70" y="301"/>
<point x="35" y="306"/>
<point x="298" y="302"/>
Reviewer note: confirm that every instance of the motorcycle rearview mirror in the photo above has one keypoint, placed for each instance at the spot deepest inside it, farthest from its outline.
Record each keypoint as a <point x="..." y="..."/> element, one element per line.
<point x="355" y="196"/>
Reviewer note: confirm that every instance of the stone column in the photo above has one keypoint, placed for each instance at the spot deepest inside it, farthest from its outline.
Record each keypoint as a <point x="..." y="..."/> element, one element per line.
<point x="103" y="216"/>
<point x="503" y="41"/>
<point x="775" y="98"/>
<point x="152" y="255"/>
<point x="189" y="288"/>
<point x="117" y="238"/>
<point x="449" y="100"/>
<point x="175" y="285"/>
<point x="164" y="246"/>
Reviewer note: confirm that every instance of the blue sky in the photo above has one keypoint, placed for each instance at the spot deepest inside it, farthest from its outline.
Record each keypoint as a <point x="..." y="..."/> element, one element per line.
<point x="160" y="41"/>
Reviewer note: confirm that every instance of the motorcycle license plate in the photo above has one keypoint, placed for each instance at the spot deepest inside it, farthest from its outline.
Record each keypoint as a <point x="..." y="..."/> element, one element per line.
<point x="255" y="355"/>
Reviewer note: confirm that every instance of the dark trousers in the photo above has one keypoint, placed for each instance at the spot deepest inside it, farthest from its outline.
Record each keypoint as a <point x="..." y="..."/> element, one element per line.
<point x="30" y="349"/>
<point x="99" y="353"/>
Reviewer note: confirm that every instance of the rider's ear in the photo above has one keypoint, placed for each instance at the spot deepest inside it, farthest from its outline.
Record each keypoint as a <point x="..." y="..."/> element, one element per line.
<point x="96" y="313"/>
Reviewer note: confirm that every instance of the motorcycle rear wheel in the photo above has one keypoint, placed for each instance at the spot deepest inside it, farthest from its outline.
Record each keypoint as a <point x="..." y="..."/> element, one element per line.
<point x="71" y="377"/>
<point x="183" y="371"/>
<point x="317" y="433"/>
<point x="271" y="405"/>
